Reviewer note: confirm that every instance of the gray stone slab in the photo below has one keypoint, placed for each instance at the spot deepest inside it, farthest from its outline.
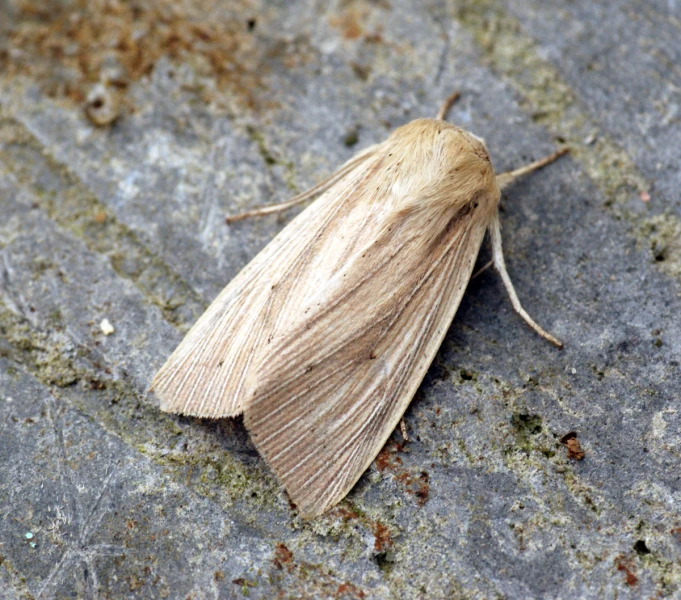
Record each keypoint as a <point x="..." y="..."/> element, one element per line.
<point x="622" y="59"/>
<point x="126" y="222"/>
<point x="85" y="515"/>
<point x="57" y="286"/>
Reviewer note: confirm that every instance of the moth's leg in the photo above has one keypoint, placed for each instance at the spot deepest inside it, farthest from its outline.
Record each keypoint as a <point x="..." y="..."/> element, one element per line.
<point x="498" y="258"/>
<point x="482" y="269"/>
<point x="320" y="188"/>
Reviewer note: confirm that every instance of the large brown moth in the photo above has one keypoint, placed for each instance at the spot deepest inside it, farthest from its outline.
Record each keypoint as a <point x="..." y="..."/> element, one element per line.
<point x="324" y="337"/>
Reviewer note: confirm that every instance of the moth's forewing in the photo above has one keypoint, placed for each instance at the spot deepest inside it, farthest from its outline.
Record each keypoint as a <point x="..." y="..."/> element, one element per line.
<point x="206" y="375"/>
<point x="337" y="380"/>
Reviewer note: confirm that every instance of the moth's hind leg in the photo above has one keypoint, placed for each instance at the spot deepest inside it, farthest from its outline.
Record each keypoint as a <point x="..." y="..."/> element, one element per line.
<point x="498" y="259"/>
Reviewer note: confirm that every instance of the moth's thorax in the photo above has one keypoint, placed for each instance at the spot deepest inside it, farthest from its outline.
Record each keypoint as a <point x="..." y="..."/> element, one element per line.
<point x="433" y="164"/>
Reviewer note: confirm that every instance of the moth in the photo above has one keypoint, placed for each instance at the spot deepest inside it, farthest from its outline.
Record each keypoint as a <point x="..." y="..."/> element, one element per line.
<point x="322" y="340"/>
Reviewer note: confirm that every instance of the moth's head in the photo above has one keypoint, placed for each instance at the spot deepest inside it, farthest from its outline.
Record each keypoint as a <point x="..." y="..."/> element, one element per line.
<point x="443" y="165"/>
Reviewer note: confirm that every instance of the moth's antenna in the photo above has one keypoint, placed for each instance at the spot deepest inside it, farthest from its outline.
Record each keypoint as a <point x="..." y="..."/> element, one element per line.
<point x="506" y="179"/>
<point x="446" y="105"/>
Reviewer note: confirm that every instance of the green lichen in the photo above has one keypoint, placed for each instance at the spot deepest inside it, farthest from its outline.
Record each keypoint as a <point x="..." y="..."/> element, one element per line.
<point x="464" y="450"/>
<point x="259" y="140"/>
<point x="118" y="408"/>
<point x="47" y="355"/>
<point x="19" y="583"/>
<point x="526" y="426"/>
<point x="56" y="317"/>
<point x="663" y="233"/>
<point x="270" y="159"/>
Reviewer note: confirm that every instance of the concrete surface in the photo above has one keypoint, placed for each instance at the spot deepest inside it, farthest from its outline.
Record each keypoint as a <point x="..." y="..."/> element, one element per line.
<point x="226" y="105"/>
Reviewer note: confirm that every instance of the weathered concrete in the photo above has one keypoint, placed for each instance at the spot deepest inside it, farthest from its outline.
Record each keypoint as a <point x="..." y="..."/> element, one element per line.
<point x="102" y="495"/>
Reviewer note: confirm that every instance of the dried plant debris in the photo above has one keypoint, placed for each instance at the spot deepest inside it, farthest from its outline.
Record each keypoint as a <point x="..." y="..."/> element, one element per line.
<point x="69" y="47"/>
<point x="574" y="449"/>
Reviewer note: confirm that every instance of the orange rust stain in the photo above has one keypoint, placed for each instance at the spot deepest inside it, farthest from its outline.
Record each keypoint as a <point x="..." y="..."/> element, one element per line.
<point x="352" y="23"/>
<point x="347" y="514"/>
<point x="283" y="557"/>
<point x="348" y="589"/>
<point x="415" y="484"/>
<point x="676" y="532"/>
<point x="387" y="458"/>
<point x="382" y="538"/>
<point x="349" y="23"/>
<point x="627" y="568"/>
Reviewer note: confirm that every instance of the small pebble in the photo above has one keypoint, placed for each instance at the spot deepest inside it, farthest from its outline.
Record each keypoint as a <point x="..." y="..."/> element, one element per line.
<point x="106" y="327"/>
<point x="590" y="139"/>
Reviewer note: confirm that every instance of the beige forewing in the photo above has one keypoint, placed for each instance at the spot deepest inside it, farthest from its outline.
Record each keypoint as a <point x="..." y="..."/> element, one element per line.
<point x="206" y="375"/>
<point x="332" y="389"/>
